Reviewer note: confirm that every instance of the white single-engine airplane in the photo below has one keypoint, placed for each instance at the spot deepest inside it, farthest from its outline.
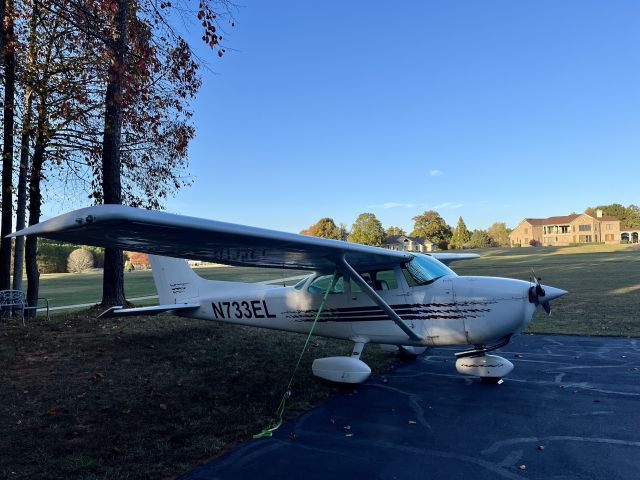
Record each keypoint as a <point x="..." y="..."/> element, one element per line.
<point x="372" y="295"/>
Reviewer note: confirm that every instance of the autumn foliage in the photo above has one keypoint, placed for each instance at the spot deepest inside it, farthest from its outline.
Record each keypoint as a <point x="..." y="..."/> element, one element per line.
<point x="140" y="261"/>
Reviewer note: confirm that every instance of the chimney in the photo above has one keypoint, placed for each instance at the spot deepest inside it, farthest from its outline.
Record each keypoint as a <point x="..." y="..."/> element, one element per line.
<point x="599" y="213"/>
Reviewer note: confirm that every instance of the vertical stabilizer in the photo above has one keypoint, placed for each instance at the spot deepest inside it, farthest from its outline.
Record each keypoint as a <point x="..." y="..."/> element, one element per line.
<point x="175" y="281"/>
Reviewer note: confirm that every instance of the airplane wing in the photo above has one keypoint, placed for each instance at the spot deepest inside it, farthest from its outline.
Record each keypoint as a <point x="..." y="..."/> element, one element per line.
<point x="447" y="258"/>
<point x="179" y="236"/>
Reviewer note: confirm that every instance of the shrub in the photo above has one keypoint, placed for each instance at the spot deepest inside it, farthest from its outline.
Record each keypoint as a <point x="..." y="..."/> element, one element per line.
<point x="80" y="260"/>
<point x="533" y="242"/>
<point x="52" y="256"/>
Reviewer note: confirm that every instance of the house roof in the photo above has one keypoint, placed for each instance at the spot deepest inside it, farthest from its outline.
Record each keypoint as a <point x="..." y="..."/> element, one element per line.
<point x="553" y="220"/>
<point x="567" y="219"/>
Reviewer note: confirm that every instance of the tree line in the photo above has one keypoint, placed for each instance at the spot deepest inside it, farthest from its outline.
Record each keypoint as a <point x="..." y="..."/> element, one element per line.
<point x="429" y="225"/>
<point x="629" y="216"/>
<point x="95" y="104"/>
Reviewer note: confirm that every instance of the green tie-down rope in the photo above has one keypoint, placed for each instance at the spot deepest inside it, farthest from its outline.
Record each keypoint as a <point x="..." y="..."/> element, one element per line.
<point x="268" y="431"/>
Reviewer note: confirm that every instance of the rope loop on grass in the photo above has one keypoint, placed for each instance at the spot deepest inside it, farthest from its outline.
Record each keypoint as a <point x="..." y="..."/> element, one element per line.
<point x="268" y="431"/>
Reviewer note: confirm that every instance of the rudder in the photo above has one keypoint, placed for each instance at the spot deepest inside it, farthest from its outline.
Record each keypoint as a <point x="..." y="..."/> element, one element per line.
<point x="175" y="281"/>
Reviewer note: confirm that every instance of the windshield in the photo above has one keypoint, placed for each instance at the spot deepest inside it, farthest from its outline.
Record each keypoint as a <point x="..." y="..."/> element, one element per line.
<point x="424" y="269"/>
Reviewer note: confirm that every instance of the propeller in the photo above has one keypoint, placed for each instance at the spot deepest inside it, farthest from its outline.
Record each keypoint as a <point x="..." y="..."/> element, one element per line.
<point x="537" y="294"/>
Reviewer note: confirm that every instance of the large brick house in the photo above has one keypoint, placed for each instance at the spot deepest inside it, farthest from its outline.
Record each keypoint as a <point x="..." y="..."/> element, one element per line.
<point x="566" y="230"/>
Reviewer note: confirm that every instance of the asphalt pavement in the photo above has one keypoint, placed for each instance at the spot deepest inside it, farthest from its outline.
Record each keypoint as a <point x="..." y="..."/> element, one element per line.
<point x="569" y="410"/>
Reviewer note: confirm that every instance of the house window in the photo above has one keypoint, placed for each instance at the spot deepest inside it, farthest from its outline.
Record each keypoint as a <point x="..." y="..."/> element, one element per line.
<point x="608" y="237"/>
<point x="610" y="227"/>
<point x="584" y="228"/>
<point x="526" y="241"/>
<point x="564" y="229"/>
<point x="526" y="231"/>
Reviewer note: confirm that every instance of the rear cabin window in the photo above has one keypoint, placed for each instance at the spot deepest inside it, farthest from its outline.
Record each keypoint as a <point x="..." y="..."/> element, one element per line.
<point x="322" y="283"/>
<point x="300" y="284"/>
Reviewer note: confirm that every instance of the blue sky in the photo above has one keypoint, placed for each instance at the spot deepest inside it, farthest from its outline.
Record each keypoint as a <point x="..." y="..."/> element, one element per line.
<point x="493" y="110"/>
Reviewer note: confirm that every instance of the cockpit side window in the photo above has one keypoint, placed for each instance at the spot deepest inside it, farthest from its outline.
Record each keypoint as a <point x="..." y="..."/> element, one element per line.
<point x="322" y="283"/>
<point x="378" y="280"/>
<point x="423" y="270"/>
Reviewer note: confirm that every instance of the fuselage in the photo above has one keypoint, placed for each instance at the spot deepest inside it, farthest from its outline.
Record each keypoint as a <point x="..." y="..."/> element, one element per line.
<point x="452" y="310"/>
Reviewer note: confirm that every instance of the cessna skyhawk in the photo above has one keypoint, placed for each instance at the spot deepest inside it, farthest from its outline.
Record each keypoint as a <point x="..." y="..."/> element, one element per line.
<point x="368" y="294"/>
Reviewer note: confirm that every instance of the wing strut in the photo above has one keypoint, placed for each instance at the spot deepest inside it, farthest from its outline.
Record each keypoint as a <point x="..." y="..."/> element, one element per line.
<point x="378" y="300"/>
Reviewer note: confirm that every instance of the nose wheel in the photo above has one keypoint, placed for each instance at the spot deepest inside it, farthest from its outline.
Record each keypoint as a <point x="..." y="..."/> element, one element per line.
<point x="490" y="368"/>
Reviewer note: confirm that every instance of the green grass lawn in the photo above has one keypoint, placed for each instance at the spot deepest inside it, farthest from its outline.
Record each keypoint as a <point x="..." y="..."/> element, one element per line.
<point x="603" y="283"/>
<point x="78" y="288"/>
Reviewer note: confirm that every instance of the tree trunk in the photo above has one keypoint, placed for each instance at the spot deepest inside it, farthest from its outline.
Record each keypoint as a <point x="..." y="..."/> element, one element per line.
<point x="7" y="150"/>
<point x="113" y="277"/>
<point x="18" y="261"/>
<point x="35" y="202"/>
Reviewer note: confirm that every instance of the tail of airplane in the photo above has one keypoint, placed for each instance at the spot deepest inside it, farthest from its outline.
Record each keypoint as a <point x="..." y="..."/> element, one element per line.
<point x="179" y="288"/>
<point x="175" y="281"/>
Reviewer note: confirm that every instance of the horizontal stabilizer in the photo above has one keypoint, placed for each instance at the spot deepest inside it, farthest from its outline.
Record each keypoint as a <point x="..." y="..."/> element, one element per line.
<point x="128" y="312"/>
